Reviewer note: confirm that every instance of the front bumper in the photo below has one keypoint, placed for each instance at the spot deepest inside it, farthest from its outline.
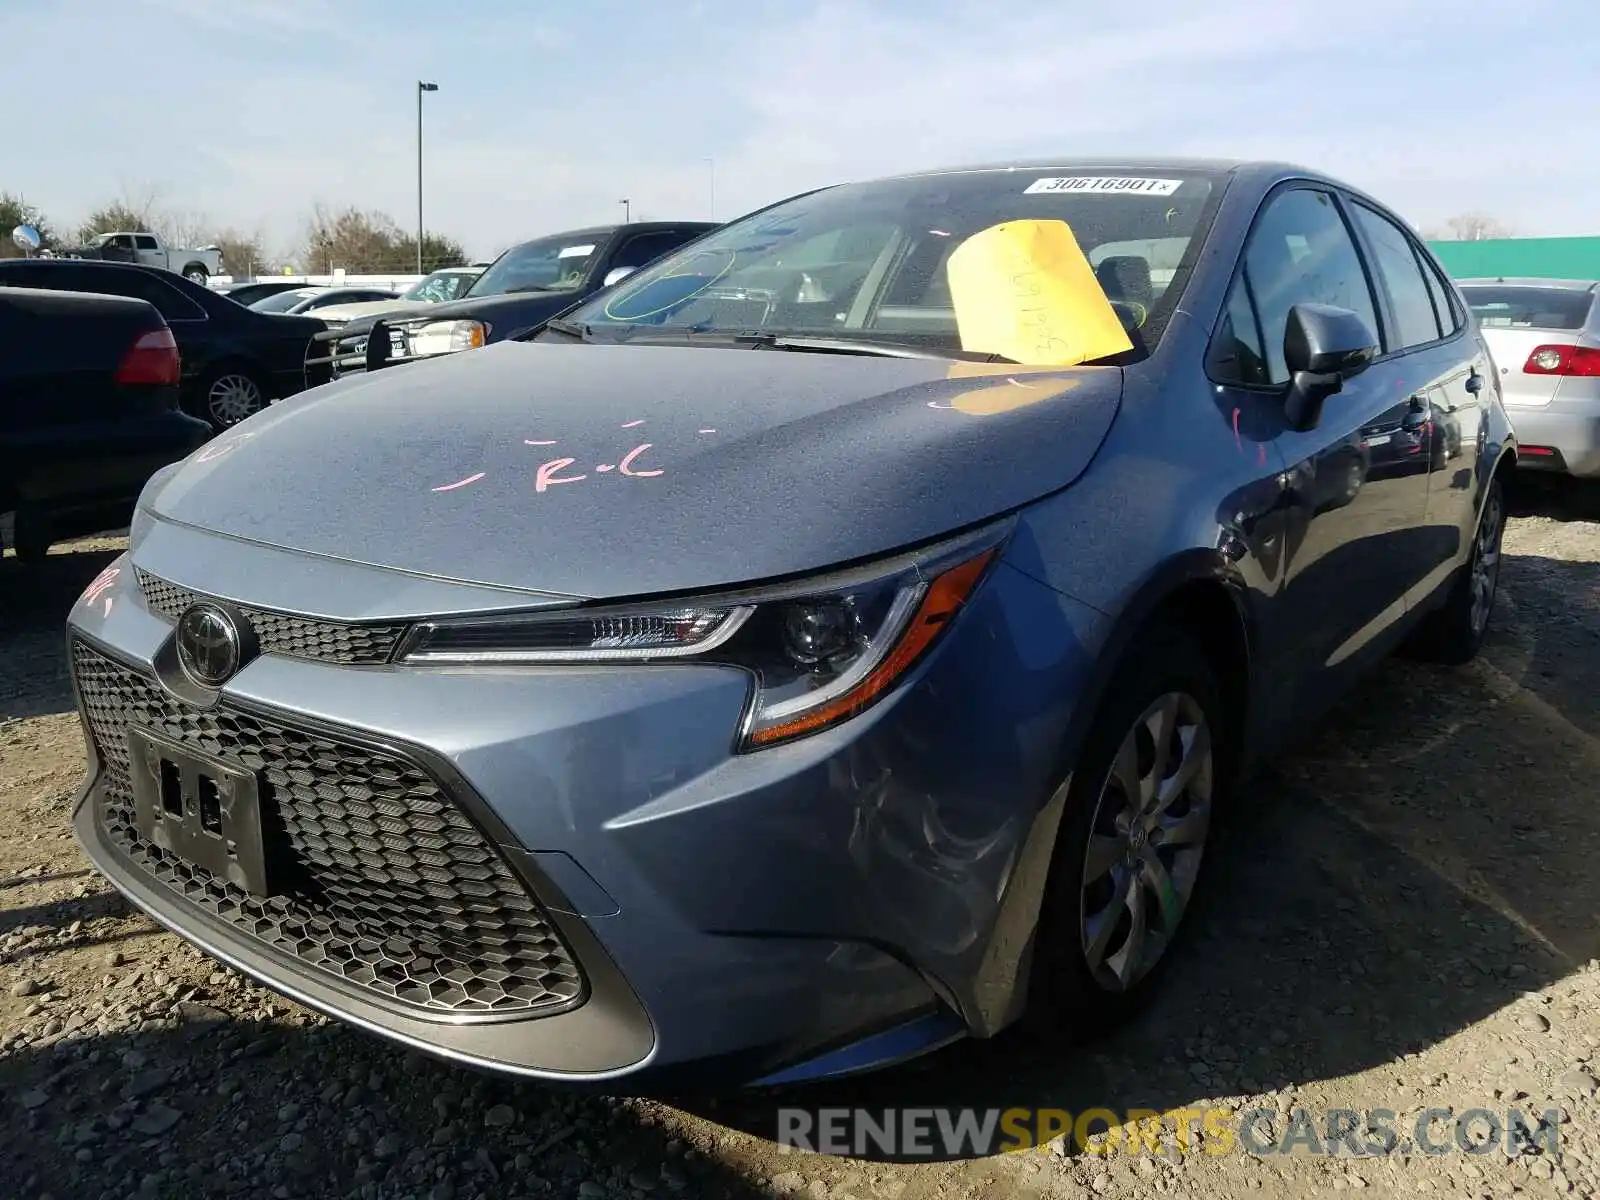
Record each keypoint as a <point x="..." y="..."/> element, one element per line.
<point x="730" y="917"/>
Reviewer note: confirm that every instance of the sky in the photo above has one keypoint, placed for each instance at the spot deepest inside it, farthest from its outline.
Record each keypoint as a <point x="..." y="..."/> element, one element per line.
<point x="250" y="113"/>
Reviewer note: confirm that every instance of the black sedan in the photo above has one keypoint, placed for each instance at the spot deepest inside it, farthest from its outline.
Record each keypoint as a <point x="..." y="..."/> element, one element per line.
<point x="520" y="290"/>
<point x="235" y="361"/>
<point x="91" y="390"/>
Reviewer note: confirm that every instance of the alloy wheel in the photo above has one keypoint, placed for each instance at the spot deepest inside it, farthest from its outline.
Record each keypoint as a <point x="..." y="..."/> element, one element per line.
<point x="1486" y="560"/>
<point x="232" y="398"/>
<point x="1146" y="840"/>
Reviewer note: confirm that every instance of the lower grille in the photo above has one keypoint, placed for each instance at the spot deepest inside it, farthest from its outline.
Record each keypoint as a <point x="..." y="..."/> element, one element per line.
<point x="380" y="880"/>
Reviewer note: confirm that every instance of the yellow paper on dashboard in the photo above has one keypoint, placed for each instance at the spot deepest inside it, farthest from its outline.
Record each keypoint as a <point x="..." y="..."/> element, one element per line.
<point x="1025" y="290"/>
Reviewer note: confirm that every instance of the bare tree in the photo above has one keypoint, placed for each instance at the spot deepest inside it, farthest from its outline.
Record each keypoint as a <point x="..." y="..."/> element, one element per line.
<point x="371" y="243"/>
<point x="1475" y="227"/>
<point x="185" y="228"/>
<point x="243" y="254"/>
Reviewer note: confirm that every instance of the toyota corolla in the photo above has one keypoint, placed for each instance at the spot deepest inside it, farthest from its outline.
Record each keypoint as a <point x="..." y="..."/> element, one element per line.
<point x="838" y="639"/>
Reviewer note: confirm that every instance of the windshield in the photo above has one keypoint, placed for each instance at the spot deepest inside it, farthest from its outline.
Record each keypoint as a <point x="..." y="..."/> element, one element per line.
<point x="440" y="286"/>
<point x="282" y="302"/>
<point x="557" y="264"/>
<point x="871" y="261"/>
<point x="1511" y="307"/>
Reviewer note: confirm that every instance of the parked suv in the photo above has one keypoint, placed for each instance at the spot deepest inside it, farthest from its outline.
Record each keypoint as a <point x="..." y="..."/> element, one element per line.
<point x="523" y="288"/>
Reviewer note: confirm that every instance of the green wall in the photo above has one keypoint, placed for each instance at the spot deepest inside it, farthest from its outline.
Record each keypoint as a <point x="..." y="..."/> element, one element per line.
<point x="1542" y="258"/>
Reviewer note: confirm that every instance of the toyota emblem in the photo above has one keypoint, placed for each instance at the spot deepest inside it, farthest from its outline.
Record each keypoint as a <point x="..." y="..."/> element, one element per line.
<point x="209" y="645"/>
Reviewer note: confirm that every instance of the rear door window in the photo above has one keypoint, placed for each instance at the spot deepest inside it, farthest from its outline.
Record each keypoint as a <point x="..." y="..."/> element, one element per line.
<point x="1394" y="258"/>
<point x="645" y="248"/>
<point x="141" y="285"/>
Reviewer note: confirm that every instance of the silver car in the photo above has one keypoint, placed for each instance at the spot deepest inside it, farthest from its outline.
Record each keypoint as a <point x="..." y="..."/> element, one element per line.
<point x="1545" y="338"/>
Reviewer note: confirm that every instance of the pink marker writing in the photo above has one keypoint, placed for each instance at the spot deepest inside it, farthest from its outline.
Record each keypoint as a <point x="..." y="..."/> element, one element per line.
<point x="100" y="585"/>
<point x="547" y="474"/>
<point x="460" y="483"/>
<point x="626" y="465"/>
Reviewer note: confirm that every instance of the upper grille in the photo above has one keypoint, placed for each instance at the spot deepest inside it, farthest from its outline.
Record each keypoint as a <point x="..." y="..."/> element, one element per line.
<point x="284" y="633"/>
<point x="379" y="878"/>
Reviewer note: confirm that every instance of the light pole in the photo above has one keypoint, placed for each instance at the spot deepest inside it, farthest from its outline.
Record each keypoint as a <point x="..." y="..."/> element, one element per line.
<point x="626" y="217"/>
<point x="711" y="165"/>
<point x="421" y="88"/>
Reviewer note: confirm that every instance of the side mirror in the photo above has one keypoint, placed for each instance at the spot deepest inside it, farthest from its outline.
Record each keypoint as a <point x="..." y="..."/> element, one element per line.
<point x="26" y="238"/>
<point x="1322" y="347"/>
<point x="617" y="275"/>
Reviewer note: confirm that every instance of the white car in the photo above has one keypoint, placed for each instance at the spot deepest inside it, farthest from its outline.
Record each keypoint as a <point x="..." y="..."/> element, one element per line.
<point x="1545" y="338"/>
<point x="314" y="300"/>
<point x="447" y="283"/>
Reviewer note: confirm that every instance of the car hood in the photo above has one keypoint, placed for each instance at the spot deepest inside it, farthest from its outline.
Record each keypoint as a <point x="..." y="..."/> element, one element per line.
<point x="617" y="471"/>
<point x="333" y="313"/>
<point x="508" y="312"/>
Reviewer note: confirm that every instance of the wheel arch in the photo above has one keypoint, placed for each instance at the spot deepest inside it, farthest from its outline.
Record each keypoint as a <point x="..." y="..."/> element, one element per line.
<point x="1196" y="591"/>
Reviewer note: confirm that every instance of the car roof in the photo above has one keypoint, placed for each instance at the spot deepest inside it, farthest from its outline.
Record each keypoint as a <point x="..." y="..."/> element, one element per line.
<point x="600" y="231"/>
<point x="1260" y="169"/>
<point x="98" y="264"/>
<point x="1565" y="285"/>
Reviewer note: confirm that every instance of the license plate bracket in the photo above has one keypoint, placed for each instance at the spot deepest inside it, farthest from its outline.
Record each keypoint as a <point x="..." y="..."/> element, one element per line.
<point x="199" y="808"/>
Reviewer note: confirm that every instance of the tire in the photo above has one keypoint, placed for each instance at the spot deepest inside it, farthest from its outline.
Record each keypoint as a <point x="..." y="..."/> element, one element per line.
<point x="1078" y="988"/>
<point x="1453" y="635"/>
<point x="227" y="395"/>
<point x="195" y="273"/>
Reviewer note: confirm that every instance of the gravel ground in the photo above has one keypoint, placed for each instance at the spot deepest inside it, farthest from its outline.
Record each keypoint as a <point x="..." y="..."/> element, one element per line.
<point x="1407" y="920"/>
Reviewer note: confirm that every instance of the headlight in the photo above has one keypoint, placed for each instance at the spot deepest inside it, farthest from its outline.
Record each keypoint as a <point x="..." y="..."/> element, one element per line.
<point x="820" y="652"/>
<point x="447" y="337"/>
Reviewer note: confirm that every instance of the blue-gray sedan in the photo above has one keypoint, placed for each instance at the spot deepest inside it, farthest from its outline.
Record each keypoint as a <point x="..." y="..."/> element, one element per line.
<point x="782" y="664"/>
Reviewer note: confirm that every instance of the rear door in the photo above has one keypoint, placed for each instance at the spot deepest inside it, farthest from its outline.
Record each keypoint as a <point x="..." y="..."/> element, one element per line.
<point x="1518" y="319"/>
<point x="1349" y="535"/>
<point x="1445" y="372"/>
<point x="149" y="250"/>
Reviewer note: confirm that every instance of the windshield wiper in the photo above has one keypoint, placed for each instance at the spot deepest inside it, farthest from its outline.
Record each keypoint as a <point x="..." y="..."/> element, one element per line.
<point x="826" y="345"/>
<point x="571" y="328"/>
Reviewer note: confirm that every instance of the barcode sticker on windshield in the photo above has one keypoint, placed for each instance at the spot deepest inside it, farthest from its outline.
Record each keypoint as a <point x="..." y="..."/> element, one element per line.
<point x="575" y="251"/>
<point x="1104" y="184"/>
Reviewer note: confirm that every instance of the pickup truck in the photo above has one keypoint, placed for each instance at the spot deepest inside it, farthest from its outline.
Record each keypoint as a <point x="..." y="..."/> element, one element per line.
<point x="148" y="248"/>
